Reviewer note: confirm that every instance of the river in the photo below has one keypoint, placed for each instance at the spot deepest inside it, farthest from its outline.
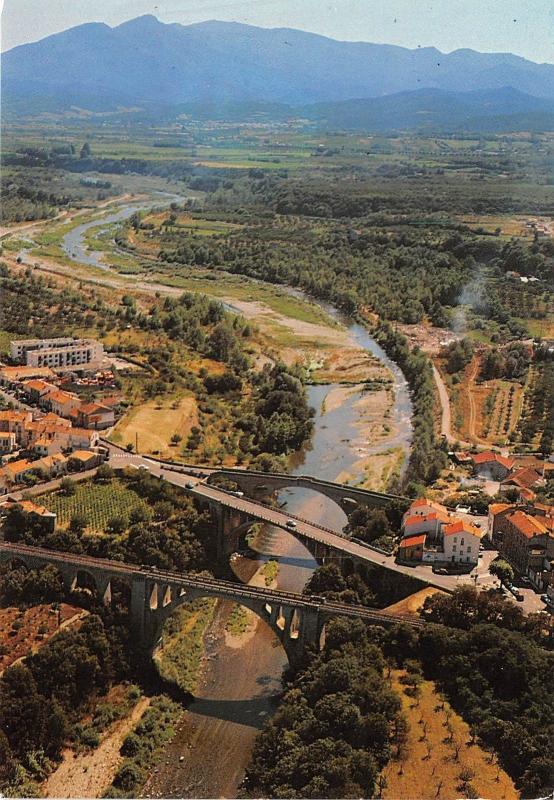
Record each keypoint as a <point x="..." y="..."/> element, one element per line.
<point x="240" y="685"/>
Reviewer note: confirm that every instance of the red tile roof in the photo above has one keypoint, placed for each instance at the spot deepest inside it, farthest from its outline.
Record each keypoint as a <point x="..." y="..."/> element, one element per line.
<point x="461" y="526"/>
<point x="488" y="456"/>
<point x="527" y="525"/>
<point x="524" y="478"/>
<point x="412" y="541"/>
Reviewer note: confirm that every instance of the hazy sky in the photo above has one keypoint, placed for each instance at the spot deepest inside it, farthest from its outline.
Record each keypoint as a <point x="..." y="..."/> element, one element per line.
<point x="525" y="27"/>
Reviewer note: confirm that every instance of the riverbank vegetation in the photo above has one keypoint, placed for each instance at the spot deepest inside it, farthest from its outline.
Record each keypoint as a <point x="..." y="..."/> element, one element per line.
<point x="335" y="726"/>
<point x="43" y="700"/>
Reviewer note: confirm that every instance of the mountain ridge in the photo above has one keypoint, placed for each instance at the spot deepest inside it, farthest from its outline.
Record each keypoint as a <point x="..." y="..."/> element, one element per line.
<point x="144" y="60"/>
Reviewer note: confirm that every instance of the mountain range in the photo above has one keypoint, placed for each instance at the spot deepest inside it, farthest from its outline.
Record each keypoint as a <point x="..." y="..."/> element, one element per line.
<point x="146" y="63"/>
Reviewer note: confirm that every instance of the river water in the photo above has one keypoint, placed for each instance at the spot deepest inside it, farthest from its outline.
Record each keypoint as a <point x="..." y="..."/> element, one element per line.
<point x="241" y="684"/>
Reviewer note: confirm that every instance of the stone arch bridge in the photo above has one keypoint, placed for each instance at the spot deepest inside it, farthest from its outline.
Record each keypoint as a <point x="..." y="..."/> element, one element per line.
<point x="298" y="621"/>
<point x="260" y="484"/>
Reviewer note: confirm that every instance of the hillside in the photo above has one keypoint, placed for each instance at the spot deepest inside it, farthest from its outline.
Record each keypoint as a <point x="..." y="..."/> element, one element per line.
<point x="144" y="61"/>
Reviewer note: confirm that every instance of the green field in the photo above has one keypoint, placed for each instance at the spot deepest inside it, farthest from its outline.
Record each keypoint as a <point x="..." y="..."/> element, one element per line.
<point x="98" y="503"/>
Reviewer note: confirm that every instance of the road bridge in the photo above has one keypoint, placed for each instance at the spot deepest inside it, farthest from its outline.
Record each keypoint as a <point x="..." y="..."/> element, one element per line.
<point x="233" y="514"/>
<point x="297" y="620"/>
<point x="260" y="484"/>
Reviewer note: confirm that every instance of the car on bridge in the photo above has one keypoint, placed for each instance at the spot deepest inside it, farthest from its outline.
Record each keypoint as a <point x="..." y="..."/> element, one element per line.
<point x="290" y="523"/>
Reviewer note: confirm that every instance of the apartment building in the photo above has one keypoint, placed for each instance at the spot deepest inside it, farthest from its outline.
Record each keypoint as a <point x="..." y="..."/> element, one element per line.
<point x="95" y="415"/>
<point x="61" y="354"/>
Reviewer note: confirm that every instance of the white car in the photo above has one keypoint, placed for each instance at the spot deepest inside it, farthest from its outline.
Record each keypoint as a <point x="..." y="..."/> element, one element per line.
<point x="291" y="523"/>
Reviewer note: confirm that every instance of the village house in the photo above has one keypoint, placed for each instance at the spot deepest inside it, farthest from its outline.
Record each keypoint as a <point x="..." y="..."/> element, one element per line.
<point x="527" y="544"/>
<point x="15" y="422"/>
<point x="411" y="548"/>
<point x="81" y="439"/>
<point x="95" y="415"/>
<point x="8" y="443"/>
<point x="52" y="466"/>
<point x="46" y="446"/>
<point x="495" y="529"/>
<point x="12" y="375"/>
<point x="62" y="403"/>
<point x="526" y="479"/>
<point x="433" y="535"/>
<point x="461" y="542"/>
<point x="37" y="389"/>
<point x="81" y="460"/>
<point x="15" y="471"/>
<point x="431" y="524"/>
<point x="423" y="507"/>
<point x="492" y="466"/>
<point x="47" y="517"/>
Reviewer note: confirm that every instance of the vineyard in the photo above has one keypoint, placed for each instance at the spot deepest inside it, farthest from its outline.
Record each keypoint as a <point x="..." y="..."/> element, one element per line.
<point x="97" y="503"/>
<point x="536" y="426"/>
<point x="500" y="411"/>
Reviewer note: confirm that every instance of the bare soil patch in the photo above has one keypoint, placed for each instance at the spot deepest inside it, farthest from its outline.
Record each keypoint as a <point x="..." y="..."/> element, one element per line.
<point x="155" y="423"/>
<point x="88" y="774"/>
<point x="413" y="603"/>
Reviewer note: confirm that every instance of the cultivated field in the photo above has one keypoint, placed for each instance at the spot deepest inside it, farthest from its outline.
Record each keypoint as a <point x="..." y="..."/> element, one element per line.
<point x="97" y="503"/>
<point x="439" y="760"/>
<point x="24" y="632"/>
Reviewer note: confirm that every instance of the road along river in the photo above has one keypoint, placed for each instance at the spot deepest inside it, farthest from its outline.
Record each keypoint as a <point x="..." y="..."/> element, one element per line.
<point x="242" y="679"/>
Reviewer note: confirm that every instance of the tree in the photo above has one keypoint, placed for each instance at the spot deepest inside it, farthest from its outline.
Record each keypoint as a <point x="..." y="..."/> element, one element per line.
<point x="78" y="523"/>
<point x="7" y="760"/>
<point x="116" y="525"/>
<point x="86" y="152"/>
<point x="104" y="473"/>
<point x="503" y="571"/>
<point x="67" y="487"/>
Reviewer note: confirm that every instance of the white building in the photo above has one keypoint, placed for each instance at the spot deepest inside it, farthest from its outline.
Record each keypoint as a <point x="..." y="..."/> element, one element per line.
<point x="461" y="542"/>
<point x="59" y="354"/>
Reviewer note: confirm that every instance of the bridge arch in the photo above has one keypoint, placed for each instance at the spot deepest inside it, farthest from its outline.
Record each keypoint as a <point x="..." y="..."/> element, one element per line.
<point x="286" y="622"/>
<point x="84" y="581"/>
<point x="260" y="485"/>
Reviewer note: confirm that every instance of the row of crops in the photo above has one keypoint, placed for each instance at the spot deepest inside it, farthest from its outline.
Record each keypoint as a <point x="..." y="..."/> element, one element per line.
<point x="97" y="503"/>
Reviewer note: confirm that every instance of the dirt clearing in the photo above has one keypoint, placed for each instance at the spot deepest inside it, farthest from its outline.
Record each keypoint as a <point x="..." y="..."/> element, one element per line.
<point x="155" y="422"/>
<point x="88" y="774"/>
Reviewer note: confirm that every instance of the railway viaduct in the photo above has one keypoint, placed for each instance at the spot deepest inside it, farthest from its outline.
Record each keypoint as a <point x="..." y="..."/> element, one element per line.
<point x="297" y="621"/>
